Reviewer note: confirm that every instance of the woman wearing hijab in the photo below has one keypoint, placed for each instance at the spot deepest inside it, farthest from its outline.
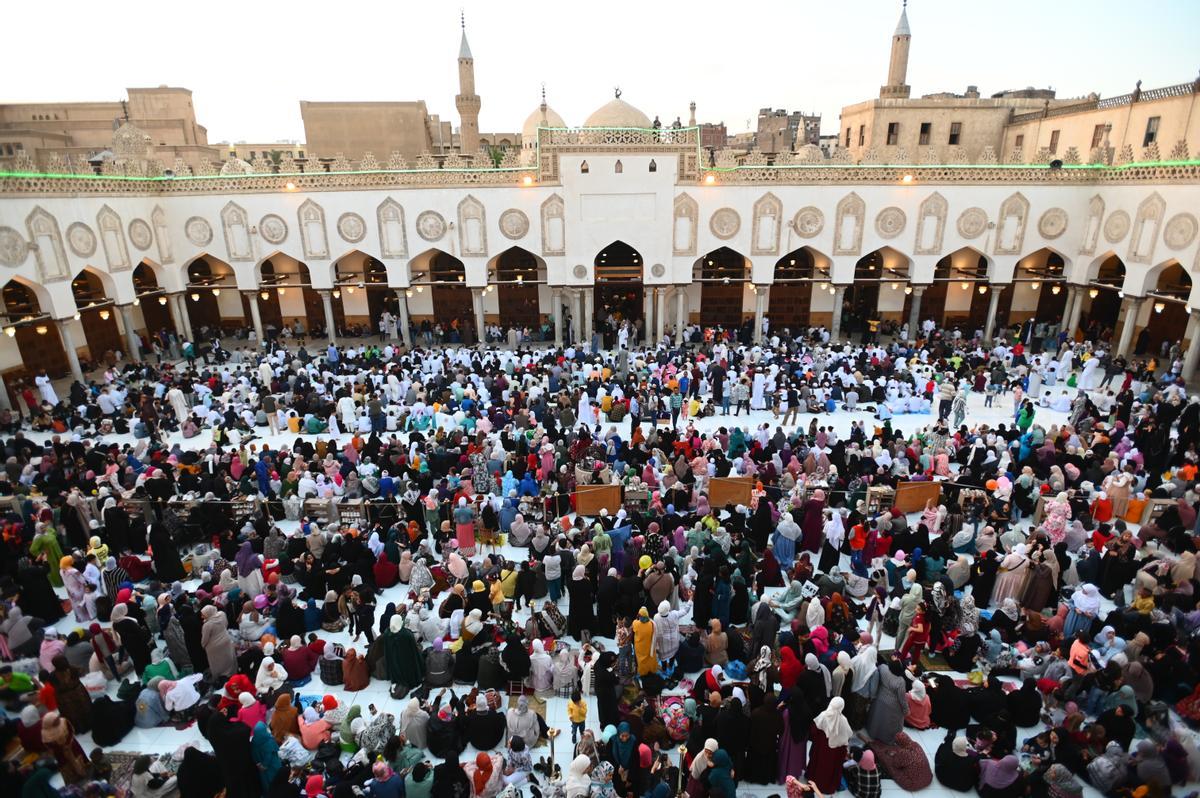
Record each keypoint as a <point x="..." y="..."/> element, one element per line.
<point x="285" y="718"/>
<point x="580" y="616"/>
<point x="231" y="745"/>
<point x="904" y="761"/>
<point x="402" y="655"/>
<point x="623" y="755"/>
<point x="414" y="723"/>
<point x="890" y="704"/>
<point x="218" y="645"/>
<point x="134" y="637"/>
<point x="578" y="783"/>
<point x="249" y="568"/>
<point x="862" y="777"/>
<point x="58" y="735"/>
<point x="920" y="707"/>
<point x="1082" y="610"/>
<point x="450" y="780"/>
<point x="956" y="765"/>
<point x="1001" y="778"/>
<point x="199" y="775"/>
<point x="265" y="752"/>
<point x="167" y="564"/>
<point x="721" y="783"/>
<point x="828" y="735"/>
<point x="524" y="723"/>
<point x="765" y="734"/>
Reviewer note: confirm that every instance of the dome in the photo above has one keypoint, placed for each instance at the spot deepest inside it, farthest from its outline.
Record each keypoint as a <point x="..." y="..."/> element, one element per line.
<point x="534" y="121"/>
<point x="617" y="113"/>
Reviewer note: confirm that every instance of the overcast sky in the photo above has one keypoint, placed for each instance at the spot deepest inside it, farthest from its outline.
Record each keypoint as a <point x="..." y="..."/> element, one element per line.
<point x="248" y="63"/>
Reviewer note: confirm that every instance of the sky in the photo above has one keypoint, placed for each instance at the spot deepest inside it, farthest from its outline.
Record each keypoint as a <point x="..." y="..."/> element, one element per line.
<point x="249" y="63"/>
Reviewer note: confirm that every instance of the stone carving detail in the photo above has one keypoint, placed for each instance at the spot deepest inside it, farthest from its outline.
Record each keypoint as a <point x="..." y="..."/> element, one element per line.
<point x="472" y="227"/>
<point x="871" y="156"/>
<point x="1052" y="223"/>
<point x="82" y="166"/>
<point x="727" y="159"/>
<point x="930" y="156"/>
<point x="56" y="164"/>
<point x="511" y="159"/>
<point x="80" y="239"/>
<point x="112" y="239"/>
<point x="431" y="226"/>
<point x="263" y="165"/>
<point x="1150" y="154"/>
<point x="1016" y="156"/>
<point x="890" y="222"/>
<point x="198" y="231"/>
<point x="725" y="223"/>
<point x="988" y="156"/>
<point x="972" y="222"/>
<point x="658" y="270"/>
<point x="1180" y="231"/>
<point x="1117" y="227"/>
<point x="1044" y="156"/>
<point x="1071" y="156"/>
<point x="554" y="226"/>
<point x="393" y="236"/>
<point x="140" y="235"/>
<point x="931" y="225"/>
<point x="784" y="158"/>
<point x="351" y="227"/>
<point x="235" y="223"/>
<point x="313" y="235"/>
<point x="341" y="164"/>
<point x="396" y="162"/>
<point x="287" y="164"/>
<point x="767" y="224"/>
<point x="1146" y="226"/>
<point x="13" y="248"/>
<point x="1179" y="152"/>
<point x="454" y="161"/>
<point x="1091" y="230"/>
<point x="273" y="228"/>
<point x="426" y="161"/>
<point x="809" y="222"/>
<point x="514" y="224"/>
<point x="236" y="166"/>
<point x="45" y="239"/>
<point x="1098" y="155"/>
<point x="957" y="155"/>
<point x="841" y="155"/>
<point x="368" y="162"/>
<point x="848" y="225"/>
<point x="1125" y="155"/>
<point x="580" y="271"/>
<point x="162" y="235"/>
<point x="685" y="216"/>
<point x="1010" y="227"/>
<point x="755" y="158"/>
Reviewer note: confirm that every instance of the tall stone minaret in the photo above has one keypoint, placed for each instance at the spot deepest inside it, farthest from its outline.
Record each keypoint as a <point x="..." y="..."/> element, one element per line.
<point x="467" y="101"/>
<point x="896" y="87"/>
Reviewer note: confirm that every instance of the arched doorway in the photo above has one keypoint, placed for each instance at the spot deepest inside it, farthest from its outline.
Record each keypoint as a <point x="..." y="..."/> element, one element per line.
<point x="1103" y="297"/>
<point x="791" y="291"/>
<point x="1168" y="309"/>
<point x="211" y="296"/>
<point x="34" y="331"/>
<point x="722" y="275"/>
<point x="517" y="275"/>
<point x="619" y="292"/>
<point x="286" y="297"/>
<point x="1039" y="294"/>
<point x="97" y="315"/>
<point x="877" y="293"/>
<point x="151" y="300"/>
<point x="950" y="299"/>
<point x="362" y="295"/>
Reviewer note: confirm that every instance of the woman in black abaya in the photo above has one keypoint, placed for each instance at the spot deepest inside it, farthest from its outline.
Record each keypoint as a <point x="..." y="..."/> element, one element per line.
<point x="231" y="745"/>
<point x="167" y="564"/>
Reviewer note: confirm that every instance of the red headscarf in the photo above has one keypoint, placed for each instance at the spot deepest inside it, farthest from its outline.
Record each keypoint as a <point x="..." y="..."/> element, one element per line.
<point x="483" y="771"/>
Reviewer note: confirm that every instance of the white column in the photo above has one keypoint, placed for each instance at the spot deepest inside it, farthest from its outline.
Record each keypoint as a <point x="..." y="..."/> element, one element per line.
<point x="760" y="303"/>
<point x="660" y="317"/>
<point x="330" y="326"/>
<point x="1076" y="311"/>
<point x="589" y="323"/>
<point x="403" y="322"/>
<point x="1132" y="306"/>
<point x="647" y="315"/>
<point x="680" y="311"/>
<point x="477" y="307"/>
<point x="183" y="322"/>
<point x="993" y="305"/>
<point x="5" y="402"/>
<point x="1067" y="309"/>
<point x="557" y="311"/>
<point x="68" y="342"/>
<point x="835" y="327"/>
<point x="131" y="338"/>
<point x="256" y="316"/>
<point x="914" y="312"/>
<point x="1193" y="348"/>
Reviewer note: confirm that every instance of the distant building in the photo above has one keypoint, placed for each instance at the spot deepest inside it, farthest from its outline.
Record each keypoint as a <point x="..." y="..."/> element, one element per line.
<point x="85" y="129"/>
<point x="714" y="136"/>
<point x="779" y="131"/>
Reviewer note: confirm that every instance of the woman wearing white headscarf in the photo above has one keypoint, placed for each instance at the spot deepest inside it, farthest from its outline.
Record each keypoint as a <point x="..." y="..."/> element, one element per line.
<point x="414" y="724"/>
<point x="1014" y="570"/>
<point x="541" y="671"/>
<point x="1085" y="603"/>
<point x="578" y="784"/>
<point x="523" y="723"/>
<point x="828" y="737"/>
<point x="270" y="676"/>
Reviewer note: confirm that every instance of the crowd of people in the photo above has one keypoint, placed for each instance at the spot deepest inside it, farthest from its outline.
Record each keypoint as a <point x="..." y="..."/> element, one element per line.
<point x="338" y="570"/>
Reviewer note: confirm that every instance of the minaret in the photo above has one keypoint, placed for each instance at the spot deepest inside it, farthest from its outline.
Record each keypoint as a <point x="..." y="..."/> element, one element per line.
<point x="692" y="118"/>
<point x="896" y="87"/>
<point x="467" y="100"/>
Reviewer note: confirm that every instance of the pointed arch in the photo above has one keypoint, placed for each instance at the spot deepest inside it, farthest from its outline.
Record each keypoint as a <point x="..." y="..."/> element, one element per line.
<point x="236" y="226"/>
<point x="393" y="236"/>
<point x="685" y="217"/>
<point x="314" y="237"/>
<point x="767" y="224"/>
<point x="48" y="251"/>
<point x="931" y="225"/>
<point x="848" y="225"/>
<point x="472" y="227"/>
<point x="554" y="226"/>
<point x="1146" y="227"/>
<point x="1010" y="225"/>
<point x="1092" y="225"/>
<point x="112" y="239"/>
<point x="516" y="274"/>
<point x="162" y="235"/>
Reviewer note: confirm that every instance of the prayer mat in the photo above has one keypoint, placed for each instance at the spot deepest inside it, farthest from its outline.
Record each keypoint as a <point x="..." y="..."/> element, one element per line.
<point x="934" y="662"/>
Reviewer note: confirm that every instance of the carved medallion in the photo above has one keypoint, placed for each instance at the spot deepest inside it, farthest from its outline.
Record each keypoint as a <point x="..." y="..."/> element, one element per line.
<point x="972" y="222"/>
<point x="431" y="226"/>
<point x="13" y="247"/>
<point x="140" y="234"/>
<point x="514" y="224"/>
<point x="81" y="240"/>
<point x="725" y="223"/>
<point x="1116" y="227"/>
<point x="580" y="271"/>
<point x="273" y="228"/>
<point x="809" y="222"/>
<point x="1181" y="230"/>
<point x="351" y="227"/>
<point x="658" y="270"/>
<point x="198" y="231"/>
<point x="890" y="222"/>
<point x="1053" y="223"/>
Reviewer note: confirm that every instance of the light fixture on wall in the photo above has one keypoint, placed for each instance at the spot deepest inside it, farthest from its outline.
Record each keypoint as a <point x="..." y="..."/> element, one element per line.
<point x="908" y="289"/>
<point x="195" y="297"/>
<point x="420" y="288"/>
<point x="965" y="286"/>
<point x="709" y="179"/>
<point x="349" y="289"/>
<point x="1159" y="307"/>
<point x="1035" y="285"/>
<point x="104" y="314"/>
<point x="290" y="186"/>
<point x="520" y="278"/>
<point x="906" y="179"/>
<point x="265" y="295"/>
<point x="895" y="286"/>
<point x="282" y="290"/>
<point x="162" y="300"/>
<point x="337" y="294"/>
<point x="1095" y="292"/>
<point x="77" y="316"/>
<point x="1056" y="289"/>
<point x="216" y="292"/>
<point x="824" y="286"/>
<point x="527" y="180"/>
<point x="409" y="293"/>
<point x="983" y="289"/>
<point x="42" y="329"/>
<point x="10" y="331"/>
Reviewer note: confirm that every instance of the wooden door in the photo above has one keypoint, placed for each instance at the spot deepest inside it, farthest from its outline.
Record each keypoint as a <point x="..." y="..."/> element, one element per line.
<point x="519" y="305"/>
<point x="41" y="351"/>
<point x="452" y="306"/>
<point x="721" y="304"/>
<point x="788" y="307"/>
<point x="101" y="334"/>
